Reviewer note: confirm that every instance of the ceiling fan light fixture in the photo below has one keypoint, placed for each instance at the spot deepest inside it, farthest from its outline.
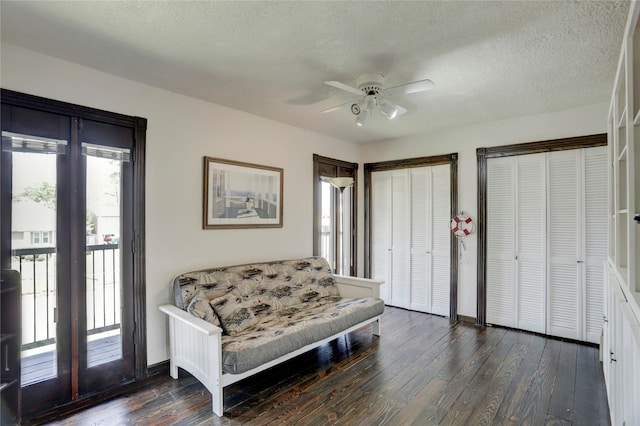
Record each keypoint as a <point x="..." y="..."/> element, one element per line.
<point x="341" y="182"/>
<point x="371" y="104"/>
<point x="362" y="118"/>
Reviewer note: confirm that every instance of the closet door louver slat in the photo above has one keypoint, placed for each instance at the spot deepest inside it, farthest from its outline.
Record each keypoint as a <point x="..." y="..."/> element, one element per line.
<point x="381" y="232"/>
<point x="564" y="313"/>
<point x="441" y="241"/>
<point x="420" y="238"/>
<point x="500" y="243"/>
<point x="400" y="237"/>
<point x="531" y="240"/>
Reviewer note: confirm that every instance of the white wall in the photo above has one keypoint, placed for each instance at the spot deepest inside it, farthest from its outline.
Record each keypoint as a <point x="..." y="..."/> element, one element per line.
<point x="180" y="132"/>
<point x="464" y="141"/>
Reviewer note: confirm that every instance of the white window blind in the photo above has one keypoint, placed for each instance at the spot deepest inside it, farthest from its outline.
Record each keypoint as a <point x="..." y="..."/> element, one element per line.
<point x="101" y="151"/>
<point x="14" y="142"/>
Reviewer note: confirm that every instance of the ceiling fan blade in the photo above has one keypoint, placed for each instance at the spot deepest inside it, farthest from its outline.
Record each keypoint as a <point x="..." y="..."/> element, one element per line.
<point x="345" y="87"/>
<point x="401" y="110"/>
<point x="333" y="108"/>
<point x="416" y="86"/>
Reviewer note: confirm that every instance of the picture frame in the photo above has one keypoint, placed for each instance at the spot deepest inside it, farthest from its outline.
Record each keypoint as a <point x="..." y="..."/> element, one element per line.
<point x="241" y="195"/>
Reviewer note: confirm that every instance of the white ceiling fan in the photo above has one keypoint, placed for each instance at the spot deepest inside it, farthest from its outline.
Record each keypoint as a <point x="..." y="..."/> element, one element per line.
<point x="374" y="95"/>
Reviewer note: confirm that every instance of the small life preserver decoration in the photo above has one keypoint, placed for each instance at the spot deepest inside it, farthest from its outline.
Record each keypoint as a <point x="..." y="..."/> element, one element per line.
<point x="461" y="225"/>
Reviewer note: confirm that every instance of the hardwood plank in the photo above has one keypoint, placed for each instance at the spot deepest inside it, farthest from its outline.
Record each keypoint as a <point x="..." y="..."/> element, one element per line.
<point x="415" y="410"/>
<point x="464" y="365"/>
<point x="587" y="399"/>
<point x="602" y="417"/>
<point x="489" y="383"/>
<point x="424" y="366"/>
<point x="561" y="401"/>
<point x="536" y="401"/>
<point x="536" y="348"/>
<point x="495" y="392"/>
<point x="512" y="407"/>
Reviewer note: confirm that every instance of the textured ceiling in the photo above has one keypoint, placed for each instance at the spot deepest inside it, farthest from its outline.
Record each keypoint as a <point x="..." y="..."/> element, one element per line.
<point x="489" y="60"/>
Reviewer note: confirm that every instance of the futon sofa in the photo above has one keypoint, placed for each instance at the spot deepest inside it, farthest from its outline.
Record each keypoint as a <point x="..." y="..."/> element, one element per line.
<point x="228" y="323"/>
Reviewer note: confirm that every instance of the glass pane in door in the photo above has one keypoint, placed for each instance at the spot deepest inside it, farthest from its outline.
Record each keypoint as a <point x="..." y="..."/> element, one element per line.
<point x="33" y="254"/>
<point x="327" y="226"/>
<point x="103" y="260"/>
<point x="344" y="238"/>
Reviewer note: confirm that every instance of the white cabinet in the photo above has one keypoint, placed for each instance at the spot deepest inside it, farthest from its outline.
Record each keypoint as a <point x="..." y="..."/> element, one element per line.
<point x="621" y="340"/>
<point x="546" y="242"/>
<point x="410" y="237"/>
<point x="620" y="355"/>
<point x="624" y="154"/>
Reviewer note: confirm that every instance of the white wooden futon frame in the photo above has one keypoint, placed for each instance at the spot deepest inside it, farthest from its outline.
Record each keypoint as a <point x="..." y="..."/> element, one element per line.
<point x="195" y="345"/>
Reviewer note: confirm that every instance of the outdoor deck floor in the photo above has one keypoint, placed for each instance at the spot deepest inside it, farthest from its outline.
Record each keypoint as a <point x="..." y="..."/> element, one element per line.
<point x="40" y="367"/>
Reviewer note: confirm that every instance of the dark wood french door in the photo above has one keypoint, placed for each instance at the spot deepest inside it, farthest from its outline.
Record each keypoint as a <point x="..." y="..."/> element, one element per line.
<point x="71" y="227"/>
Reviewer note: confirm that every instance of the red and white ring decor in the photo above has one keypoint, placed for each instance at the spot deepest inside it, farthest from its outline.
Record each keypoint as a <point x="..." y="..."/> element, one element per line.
<point x="461" y="225"/>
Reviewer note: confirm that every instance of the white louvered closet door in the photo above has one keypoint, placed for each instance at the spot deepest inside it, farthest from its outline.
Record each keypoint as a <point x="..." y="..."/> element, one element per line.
<point x="381" y="232"/>
<point x="400" y="239"/>
<point x="595" y="237"/>
<point x="547" y="242"/>
<point x="441" y="240"/>
<point x="530" y="285"/>
<point x="500" y="265"/>
<point x="564" y="313"/>
<point x="421" y="239"/>
<point x="410" y="237"/>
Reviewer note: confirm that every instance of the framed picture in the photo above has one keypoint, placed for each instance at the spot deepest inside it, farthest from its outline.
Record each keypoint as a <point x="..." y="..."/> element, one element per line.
<point x="241" y="195"/>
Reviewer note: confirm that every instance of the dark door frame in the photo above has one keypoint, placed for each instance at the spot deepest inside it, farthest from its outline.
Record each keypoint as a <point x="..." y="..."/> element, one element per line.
<point x="137" y="125"/>
<point x="452" y="161"/>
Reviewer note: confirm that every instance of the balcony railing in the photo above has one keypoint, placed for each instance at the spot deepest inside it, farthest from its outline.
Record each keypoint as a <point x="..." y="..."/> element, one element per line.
<point x="37" y="267"/>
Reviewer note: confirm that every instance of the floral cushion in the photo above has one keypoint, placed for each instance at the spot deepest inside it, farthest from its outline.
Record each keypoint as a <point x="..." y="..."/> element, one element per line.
<point x="303" y="277"/>
<point x="291" y="328"/>
<point x="237" y="313"/>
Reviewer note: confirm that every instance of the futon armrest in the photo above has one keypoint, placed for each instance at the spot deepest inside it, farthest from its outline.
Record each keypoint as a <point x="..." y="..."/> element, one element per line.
<point x="193" y="321"/>
<point x="357" y="287"/>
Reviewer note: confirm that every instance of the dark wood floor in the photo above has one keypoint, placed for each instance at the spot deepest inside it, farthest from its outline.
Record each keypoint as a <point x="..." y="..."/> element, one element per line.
<point x="421" y="371"/>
